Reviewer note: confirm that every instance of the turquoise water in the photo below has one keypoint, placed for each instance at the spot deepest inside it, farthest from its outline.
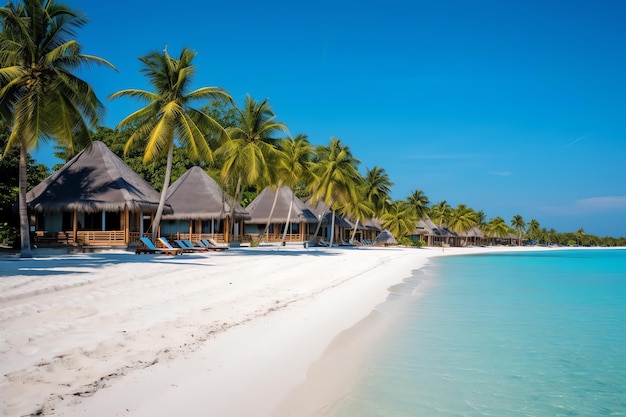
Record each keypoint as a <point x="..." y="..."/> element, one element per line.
<point x="532" y="334"/>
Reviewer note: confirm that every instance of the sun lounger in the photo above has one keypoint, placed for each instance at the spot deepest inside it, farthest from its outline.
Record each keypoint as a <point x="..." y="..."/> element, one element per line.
<point x="322" y="242"/>
<point x="168" y="245"/>
<point x="213" y="245"/>
<point x="189" y="247"/>
<point x="149" y="247"/>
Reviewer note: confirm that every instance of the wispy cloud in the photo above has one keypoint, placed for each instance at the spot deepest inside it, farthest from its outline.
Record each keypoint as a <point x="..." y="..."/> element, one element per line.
<point x="500" y="173"/>
<point x="602" y="203"/>
<point x="592" y="205"/>
<point x="576" y="140"/>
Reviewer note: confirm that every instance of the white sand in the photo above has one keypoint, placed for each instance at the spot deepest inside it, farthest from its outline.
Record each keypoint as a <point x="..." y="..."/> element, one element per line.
<point x="223" y="334"/>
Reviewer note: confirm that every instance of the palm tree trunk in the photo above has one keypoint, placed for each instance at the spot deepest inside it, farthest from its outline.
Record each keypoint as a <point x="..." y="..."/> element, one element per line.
<point x="354" y="231"/>
<point x="25" y="251"/>
<point x="166" y="183"/>
<point x="319" y="223"/>
<point x="332" y="229"/>
<point x="237" y="198"/>
<point x="269" y="219"/>
<point x="282" y="241"/>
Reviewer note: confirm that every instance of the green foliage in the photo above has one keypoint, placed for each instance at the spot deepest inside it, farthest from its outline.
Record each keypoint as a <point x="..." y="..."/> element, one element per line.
<point x="9" y="172"/>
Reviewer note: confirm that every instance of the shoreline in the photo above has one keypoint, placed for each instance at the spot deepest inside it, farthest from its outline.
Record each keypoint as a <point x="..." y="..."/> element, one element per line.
<point x="120" y="334"/>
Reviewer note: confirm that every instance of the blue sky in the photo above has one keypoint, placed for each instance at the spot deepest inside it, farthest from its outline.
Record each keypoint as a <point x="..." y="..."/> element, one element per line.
<point x="511" y="107"/>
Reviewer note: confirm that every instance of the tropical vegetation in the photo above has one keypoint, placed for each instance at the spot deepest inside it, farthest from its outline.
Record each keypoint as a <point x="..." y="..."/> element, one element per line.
<point x="245" y="148"/>
<point x="40" y="96"/>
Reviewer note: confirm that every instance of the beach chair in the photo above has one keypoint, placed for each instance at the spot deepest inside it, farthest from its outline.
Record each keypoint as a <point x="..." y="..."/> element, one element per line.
<point x="149" y="247"/>
<point x="188" y="246"/>
<point x="322" y="242"/>
<point x="168" y="245"/>
<point x="213" y="245"/>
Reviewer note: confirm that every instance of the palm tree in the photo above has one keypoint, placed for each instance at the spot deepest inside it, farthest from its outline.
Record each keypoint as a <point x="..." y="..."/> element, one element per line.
<point x="419" y="201"/>
<point x="293" y="165"/>
<point x="440" y="214"/>
<point x="497" y="227"/>
<point x="534" y="230"/>
<point x="462" y="219"/>
<point x="372" y="199"/>
<point x="39" y="94"/>
<point x="336" y="178"/>
<point x="580" y="235"/>
<point x="246" y="154"/>
<point x="168" y="116"/>
<point x="518" y="224"/>
<point x="400" y="219"/>
<point x="377" y="188"/>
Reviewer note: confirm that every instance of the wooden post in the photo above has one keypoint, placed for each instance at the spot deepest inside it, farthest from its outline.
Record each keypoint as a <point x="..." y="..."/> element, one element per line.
<point x="75" y="227"/>
<point x="226" y="229"/>
<point x="126" y="225"/>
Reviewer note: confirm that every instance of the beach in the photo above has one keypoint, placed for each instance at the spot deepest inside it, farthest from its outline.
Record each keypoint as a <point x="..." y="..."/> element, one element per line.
<point x="230" y="333"/>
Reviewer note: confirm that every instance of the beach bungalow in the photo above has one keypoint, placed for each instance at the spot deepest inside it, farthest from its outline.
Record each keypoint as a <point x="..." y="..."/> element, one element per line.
<point x="433" y="235"/>
<point x="341" y="227"/>
<point x="302" y="222"/>
<point x="366" y="232"/>
<point x="473" y="237"/>
<point x="372" y="229"/>
<point x="94" y="199"/>
<point x="202" y="209"/>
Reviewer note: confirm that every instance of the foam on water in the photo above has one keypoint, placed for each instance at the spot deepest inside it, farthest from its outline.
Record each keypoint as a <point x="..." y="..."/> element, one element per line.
<point x="532" y="334"/>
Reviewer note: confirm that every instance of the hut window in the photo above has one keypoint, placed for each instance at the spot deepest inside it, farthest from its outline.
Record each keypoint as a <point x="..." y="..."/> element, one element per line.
<point x="113" y="220"/>
<point x="68" y="221"/>
<point x="40" y="222"/>
<point x="93" y="221"/>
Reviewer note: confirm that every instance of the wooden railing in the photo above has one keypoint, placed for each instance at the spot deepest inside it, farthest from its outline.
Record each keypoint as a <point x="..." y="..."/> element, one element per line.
<point x="107" y="237"/>
<point x="219" y="237"/>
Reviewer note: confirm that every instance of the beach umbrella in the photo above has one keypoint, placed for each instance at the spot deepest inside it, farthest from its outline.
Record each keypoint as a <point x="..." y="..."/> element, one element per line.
<point x="385" y="238"/>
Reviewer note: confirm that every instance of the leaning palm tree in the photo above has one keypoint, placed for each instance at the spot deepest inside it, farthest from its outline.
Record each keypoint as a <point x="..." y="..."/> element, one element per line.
<point x="361" y="208"/>
<point x="168" y="117"/>
<point x="336" y="178"/>
<point x="249" y="151"/>
<point x="292" y="168"/>
<point x="519" y="225"/>
<point x="372" y="199"/>
<point x="39" y="94"/>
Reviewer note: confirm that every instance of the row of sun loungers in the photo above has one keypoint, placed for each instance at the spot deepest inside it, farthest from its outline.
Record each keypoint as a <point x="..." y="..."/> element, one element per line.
<point x="182" y="246"/>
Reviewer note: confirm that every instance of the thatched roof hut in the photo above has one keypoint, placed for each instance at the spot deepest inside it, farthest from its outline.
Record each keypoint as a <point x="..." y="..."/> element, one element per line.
<point x="94" y="180"/>
<point x="321" y="210"/>
<point x="300" y="220"/>
<point x="385" y="238"/>
<point x="196" y="196"/>
<point x="261" y="207"/>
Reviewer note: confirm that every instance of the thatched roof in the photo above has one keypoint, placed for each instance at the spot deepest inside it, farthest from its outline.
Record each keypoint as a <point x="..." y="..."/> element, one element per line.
<point x="422" y="228"/>
<point x="385" y="238"/>
<point x="195" y="195"/>
<point x="373" y="224"/>
<point x="473" y="232"/>
<point x="433" y="229"/>
<point x="261" y="206"/>
<point x="322" y="209"/>
<point x="94" y="180"/>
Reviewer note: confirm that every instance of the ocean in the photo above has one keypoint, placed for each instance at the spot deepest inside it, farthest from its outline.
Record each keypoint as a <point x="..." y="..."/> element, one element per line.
<point x="510" y="334"/>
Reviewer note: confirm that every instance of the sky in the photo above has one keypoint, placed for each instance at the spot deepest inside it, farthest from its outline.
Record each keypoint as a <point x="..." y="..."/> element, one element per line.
<point x="510" y="107"/>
